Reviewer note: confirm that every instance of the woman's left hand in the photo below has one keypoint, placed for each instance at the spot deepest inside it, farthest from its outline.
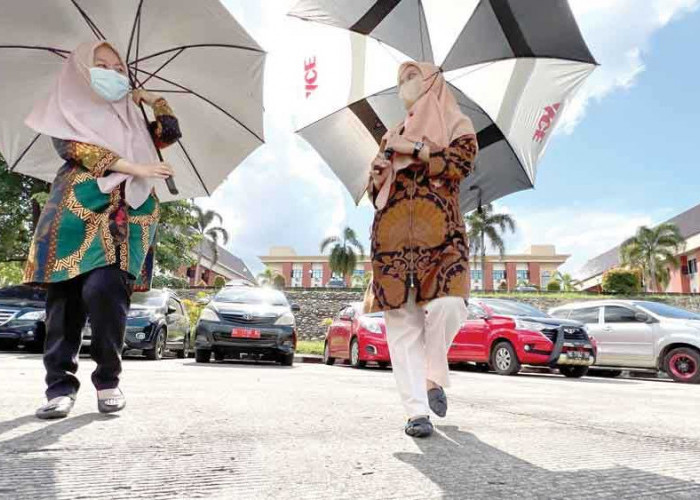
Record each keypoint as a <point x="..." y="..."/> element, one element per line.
<point x="141" y="95"/>
<point x="400" y="145"/>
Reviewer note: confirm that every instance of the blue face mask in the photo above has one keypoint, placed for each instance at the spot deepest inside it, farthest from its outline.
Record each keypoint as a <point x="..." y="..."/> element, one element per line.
<point x="109" y="84"/>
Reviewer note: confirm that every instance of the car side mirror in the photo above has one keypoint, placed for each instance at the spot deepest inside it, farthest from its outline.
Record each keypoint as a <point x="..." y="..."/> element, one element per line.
<point x="642" y="317"/>
<point x="171" y="310"/>
<point x="295" y="308"/>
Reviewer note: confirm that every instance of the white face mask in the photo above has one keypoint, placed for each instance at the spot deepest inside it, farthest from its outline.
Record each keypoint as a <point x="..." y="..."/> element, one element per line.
<point x="109" y="84"/>
<point x="411" y="91"/>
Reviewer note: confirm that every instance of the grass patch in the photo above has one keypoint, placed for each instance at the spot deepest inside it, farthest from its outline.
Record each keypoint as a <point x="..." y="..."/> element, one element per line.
<point x="310" y="347"/>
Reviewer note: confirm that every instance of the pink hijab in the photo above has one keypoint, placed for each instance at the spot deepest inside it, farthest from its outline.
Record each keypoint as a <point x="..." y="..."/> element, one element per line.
<point x="434" y="116"/>
<point x="73" y="111"/>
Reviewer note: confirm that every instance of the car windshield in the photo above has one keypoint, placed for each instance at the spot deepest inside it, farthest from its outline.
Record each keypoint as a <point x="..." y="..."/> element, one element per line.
<point x="512" y="308"/>
<point x="668" y="311"/>
<point x="245" y="295"/>
<point x="148" y="299"/>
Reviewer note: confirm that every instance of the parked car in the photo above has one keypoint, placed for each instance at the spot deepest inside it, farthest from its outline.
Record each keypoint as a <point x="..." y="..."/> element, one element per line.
<point x="499" y="334"/>
<point x="157" y="322"/>
<point x="356" y="337"/>
<point x="641" y="334"/>
<point x="247" y="322"/>
<point x="22" y="314"/>
<point x="336" y="283"/>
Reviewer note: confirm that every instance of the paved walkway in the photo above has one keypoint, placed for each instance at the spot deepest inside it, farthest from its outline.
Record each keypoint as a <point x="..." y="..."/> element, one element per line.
<point x="260" y="431"/>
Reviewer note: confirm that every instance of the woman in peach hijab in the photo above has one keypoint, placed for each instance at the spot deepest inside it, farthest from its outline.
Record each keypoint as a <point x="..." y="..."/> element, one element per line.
<point x="419" y="242"/>
<point x="93" y="240"/>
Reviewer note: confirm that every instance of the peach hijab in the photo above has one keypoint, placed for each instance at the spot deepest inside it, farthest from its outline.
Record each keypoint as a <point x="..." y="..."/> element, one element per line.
<point x="435" y="117"/>
<point x="74" y="112"/>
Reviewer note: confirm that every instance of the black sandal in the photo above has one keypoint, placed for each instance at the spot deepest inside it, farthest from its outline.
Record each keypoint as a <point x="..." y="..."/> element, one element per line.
<point x="58" y="407"/>
<point x="419" y="427"/>
<point x="437" y="399"/>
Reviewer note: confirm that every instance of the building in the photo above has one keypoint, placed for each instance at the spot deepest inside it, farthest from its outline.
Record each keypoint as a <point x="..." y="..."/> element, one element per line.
<point x="230" y="267"/>
<point x="537" y="266"/>
<point x="684" y="279"/>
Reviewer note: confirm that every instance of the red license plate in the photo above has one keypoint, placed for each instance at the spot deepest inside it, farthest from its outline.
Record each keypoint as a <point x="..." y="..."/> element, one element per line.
<point x="245" y="333"/>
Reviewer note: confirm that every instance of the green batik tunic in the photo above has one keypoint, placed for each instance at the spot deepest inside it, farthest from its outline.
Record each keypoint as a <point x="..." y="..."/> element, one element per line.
<point x="81" y="228"/>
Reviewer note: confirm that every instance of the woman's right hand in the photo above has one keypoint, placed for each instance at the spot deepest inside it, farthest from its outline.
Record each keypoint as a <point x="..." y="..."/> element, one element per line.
<point x="155" y="170"/>
<point x="380" y="169"/>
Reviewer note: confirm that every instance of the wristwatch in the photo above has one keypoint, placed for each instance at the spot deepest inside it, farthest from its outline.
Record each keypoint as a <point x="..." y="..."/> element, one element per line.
<point x="417" y="149"/>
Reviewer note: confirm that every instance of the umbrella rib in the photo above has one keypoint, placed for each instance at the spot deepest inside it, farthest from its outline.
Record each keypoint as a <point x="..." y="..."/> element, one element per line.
<point x="201" y="181"/>
<point x="420" y="24"/>
<point x="95" y="30"/>
<point x="205" y="100"/>
<point x="195" y="46"/>
<point x="374" y="16"/>
<point x="26" y="150"/>
<point x="59" y="52"/>
<point x="160" y="68"/>
<point x="133" y="30"/>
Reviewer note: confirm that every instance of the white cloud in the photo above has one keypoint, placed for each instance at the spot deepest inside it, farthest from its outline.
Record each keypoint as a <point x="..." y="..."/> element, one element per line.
<point x="619" y="33"/>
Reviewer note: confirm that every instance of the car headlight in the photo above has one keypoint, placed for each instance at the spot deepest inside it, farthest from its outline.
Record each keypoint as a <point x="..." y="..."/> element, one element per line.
<point x="33" y="316"/>
<point x="532" y="326"/>
<point x="208" y="314"/>
<point x="287" y="319"/>
<point x="371" y="326"/>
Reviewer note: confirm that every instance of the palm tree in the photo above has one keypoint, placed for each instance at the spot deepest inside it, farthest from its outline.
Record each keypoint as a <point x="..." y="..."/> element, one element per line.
<point x="267" y="277"/>
<point x="567" y="282"/>
<point x="483" y="224"/>
<point x="653" y="250"/>
<point x="345" y="252"/>
<point x="203" y="227"/>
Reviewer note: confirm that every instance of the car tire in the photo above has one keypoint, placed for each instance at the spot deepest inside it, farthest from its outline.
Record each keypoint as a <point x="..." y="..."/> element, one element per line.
<point x="158" y="350"/>
<point x="35" y="347"/>
<point x="202" y="355"/>
<point x="483" y="367"/>
<point x="683" y="365"/>
<point x="355" y="360"/>
<point x="219" y="356"/>
<point x="327" y="359"/>
<point x="573" y="371"/>
<point x="604" y="373"/>
<point x="182" y="354"/>
<point x="383" y="365"/>
<point x="287" y="359"/>
<point x="504" y="359"/>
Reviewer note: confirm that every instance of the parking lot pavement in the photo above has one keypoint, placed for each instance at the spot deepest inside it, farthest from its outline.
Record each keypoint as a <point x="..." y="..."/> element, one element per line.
<point x="242" y="431"/>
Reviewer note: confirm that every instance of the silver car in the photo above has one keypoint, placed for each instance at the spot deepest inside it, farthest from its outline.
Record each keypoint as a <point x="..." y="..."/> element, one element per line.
<point x="641" y="334"/>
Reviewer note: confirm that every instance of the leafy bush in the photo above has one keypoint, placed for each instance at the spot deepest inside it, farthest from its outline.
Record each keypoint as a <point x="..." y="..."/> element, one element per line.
<point x="194" y="309"/>
<point x="163" y="281"/>
<point x="622" y="281"/>
<point x="326" y="322"/>
<point x="554" y="286"/>
<point x="310" y="347"/>
<point x="219" y="282"/>
<point x="503" y="286"/>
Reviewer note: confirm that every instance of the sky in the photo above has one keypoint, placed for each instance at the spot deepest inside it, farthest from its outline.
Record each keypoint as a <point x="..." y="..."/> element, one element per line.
<point x="623" y="155"/>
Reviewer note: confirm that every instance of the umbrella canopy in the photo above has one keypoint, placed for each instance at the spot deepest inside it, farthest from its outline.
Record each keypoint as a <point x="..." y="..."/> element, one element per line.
<point x="513" y="65"/>
<point x="193" y="53"/>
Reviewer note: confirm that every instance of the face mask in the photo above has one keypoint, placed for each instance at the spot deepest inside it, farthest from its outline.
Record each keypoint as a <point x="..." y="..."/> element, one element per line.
<point x="109" y="84"/>
<point x="411" y="91"/>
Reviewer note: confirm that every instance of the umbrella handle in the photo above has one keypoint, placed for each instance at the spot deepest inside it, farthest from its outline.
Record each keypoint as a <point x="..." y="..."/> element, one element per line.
<point x="169" y="180"/>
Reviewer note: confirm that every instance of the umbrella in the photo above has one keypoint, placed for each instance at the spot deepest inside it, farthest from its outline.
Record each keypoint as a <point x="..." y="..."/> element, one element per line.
<point x="513" y="66"/>
<point x="194" y="53"/>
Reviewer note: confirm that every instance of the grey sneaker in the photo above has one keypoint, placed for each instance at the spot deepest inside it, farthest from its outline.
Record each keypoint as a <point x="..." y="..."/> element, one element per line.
<point x="110" y="400"/>
<point x="419" y="427"/>
<point x="437" y="399"/>
<point x="58" y="407"/>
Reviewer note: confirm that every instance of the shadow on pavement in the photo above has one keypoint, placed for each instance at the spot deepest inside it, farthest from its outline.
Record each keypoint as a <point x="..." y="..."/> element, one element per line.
<point x="28" y="463"/>
<point x="462" y="466"/>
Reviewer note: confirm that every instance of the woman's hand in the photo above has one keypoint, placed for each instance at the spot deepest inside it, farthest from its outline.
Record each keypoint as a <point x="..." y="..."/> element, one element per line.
<point x="380" y="169"/>
<point x="155" y="171"/>
<point x="400" y="144"/>
<point x="141" y="95"/>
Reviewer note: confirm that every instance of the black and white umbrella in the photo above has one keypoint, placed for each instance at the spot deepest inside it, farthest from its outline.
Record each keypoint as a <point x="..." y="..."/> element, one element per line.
<point x="513" y="66"/>
<point x="194" y="53"/>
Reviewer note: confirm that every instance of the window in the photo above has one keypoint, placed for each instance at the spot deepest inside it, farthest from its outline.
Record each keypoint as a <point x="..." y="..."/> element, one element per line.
<point x="617" y="314"/>
<point x="475" y="312"/>
<point x="498" y="276"/>
<point x="297" y="271"/>
<point x="522" y="275"/>
<point x="359" y="272"/>
<point x="476" y="274"/>
<point x="668" y="311"/>
<point x="692" y="266"/>
<point x="317" y="273"/>
<point x="588" y="315"/>
<point x="545" y="279"/>
<point x="173" y="303"/>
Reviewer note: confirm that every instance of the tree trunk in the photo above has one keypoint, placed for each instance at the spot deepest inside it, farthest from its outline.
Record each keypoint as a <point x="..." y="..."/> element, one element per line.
<point x="36" y="212"/>
<point x="483" y="261"/>
<point x="197" y="268"/>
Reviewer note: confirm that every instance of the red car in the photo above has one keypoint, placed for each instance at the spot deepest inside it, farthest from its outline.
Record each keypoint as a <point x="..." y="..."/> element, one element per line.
<point x="501" y="335"/>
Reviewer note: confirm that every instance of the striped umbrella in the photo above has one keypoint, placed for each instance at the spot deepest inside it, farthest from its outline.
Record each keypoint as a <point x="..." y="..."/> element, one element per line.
<point x="513" y="66"/>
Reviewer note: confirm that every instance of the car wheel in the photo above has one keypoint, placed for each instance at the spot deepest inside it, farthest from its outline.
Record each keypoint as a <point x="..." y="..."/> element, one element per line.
<point x="158" y="349"/>
<point x="219" y="356"/>
<point x="10" y="345"/>
<point x="355" y="360"/>
<point x="383" y="365"/>
<point x="182" y="354"/>
<point x="327" y="359"/>
<point x="605" y="373"/>
<point x="504" y="359"/>
<point x="202" y="355"/>
<point x="483" y="367"/>
<point x="573" y="371"/>
<point x="683" y="365"/>
<point x="287" y="360"/>
<point x="35" y="347"/>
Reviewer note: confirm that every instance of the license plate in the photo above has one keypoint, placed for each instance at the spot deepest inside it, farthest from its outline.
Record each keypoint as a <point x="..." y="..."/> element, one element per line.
<point x="578" y="355"/>
<point x="245" y="333"/>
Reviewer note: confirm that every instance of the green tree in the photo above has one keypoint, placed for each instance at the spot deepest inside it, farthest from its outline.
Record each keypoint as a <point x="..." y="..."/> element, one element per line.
<point x="10" y="273"/>
<point x="483" y="225"/>
<point x="566" y="281"/>
<point x="653" y="251"/>
<point x="554" y="286"/>
<point x="19" y="213"/>
<point x="345" y="252"/>
<point x="267" y="277"/>
<point x="622" y="281"/>
<point x="203" y="226"/>
<point x="175" y="241"/>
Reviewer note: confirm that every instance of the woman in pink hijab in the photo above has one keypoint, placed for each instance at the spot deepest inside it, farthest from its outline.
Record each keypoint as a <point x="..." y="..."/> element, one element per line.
<point x="92" y="245"/>
<point x="419" y="241"/>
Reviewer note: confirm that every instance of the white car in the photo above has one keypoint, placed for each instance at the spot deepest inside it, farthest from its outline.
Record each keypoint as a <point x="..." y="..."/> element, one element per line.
<point x="641" y="334"/>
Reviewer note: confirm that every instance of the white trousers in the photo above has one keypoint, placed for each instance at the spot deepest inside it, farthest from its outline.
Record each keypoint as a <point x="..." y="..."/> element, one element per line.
<point x="419" y="338"/>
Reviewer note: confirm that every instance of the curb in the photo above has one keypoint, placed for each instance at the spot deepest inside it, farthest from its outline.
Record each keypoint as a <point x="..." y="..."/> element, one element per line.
<point x="308" y="358"/>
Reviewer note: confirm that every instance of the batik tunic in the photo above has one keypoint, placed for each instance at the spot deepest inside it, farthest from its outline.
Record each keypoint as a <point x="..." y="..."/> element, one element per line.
<point x="81" y="228"/>
<point x="419" y="239"/>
